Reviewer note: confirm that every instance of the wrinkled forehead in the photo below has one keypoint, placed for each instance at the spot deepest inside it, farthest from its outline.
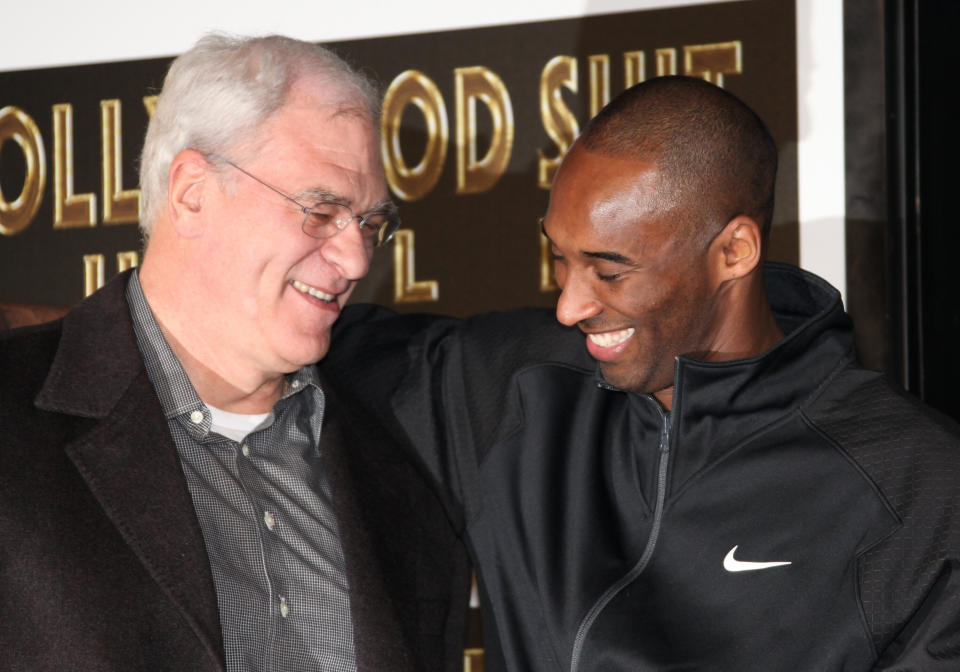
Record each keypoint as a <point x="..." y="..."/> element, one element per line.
<point x="314" y="109"/>
<point x="322" y="138"/>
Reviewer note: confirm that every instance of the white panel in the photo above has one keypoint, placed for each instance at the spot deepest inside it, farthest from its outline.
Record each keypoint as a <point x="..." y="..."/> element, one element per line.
<point x="41" y="33"/>
<point x="820" y="149"/>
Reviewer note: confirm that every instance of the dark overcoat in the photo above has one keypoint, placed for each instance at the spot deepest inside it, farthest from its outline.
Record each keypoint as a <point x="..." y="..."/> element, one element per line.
<point x="102" y="561"/>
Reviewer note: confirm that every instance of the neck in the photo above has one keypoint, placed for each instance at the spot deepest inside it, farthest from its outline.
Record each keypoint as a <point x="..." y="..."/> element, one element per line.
<point x="219" y="379"/>
<point x="764" y="330"/>
<point x="746" y="326"/>
<point x="748" y="329"/>
<point x="665" y="397"/>
<point x="224" y="389"/>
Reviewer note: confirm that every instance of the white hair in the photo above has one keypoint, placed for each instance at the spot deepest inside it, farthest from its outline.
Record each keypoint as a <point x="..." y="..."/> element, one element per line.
<point x="217" y="95"/>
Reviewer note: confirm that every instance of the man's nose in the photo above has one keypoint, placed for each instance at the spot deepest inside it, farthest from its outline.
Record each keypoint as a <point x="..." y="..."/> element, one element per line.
<point x="349" y="252"/>
<point x="577" y="301"/>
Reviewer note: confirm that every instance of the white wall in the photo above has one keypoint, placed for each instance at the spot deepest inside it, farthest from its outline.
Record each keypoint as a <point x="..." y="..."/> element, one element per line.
<point x="821" y="193"/>
<point x="40" y="33"/>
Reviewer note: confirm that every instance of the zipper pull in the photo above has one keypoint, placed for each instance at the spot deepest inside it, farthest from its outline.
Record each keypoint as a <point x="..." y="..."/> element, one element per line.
<point x="665" y="434"/>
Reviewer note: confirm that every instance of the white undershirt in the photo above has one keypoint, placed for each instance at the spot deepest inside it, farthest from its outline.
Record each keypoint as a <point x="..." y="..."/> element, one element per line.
<point x="236" y="426"/>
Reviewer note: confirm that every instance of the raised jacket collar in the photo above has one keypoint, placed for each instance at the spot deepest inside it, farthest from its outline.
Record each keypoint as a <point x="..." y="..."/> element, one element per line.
<point x="717" y="405"/>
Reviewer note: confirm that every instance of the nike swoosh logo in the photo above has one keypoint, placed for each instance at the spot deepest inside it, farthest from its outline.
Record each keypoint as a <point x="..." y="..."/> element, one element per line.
<point x="731" y="564"/>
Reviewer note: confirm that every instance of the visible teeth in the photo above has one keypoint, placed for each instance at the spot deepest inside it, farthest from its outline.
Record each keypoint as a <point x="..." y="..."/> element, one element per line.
<point x="608" y="339"/>
<point x="312" y="291"/>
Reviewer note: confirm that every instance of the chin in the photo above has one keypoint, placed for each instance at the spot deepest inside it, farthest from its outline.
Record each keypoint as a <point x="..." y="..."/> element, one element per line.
<point x="614" y="377"/>
<point x="319" y="351"/>
<point x="307" y="350"/>
<point x="625" y="379"/>
<point x="320" y="354"/>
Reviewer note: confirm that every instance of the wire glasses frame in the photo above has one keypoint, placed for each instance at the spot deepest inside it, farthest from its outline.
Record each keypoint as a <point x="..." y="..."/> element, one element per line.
<point x="325" y="219"/>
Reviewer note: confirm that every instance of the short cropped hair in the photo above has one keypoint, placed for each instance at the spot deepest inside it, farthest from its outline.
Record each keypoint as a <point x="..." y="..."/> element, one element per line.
<point x="218" y="93"/>
<point x="716" y="157"/>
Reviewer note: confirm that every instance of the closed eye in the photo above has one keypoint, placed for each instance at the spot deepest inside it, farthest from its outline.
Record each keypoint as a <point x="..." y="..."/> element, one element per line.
<point x="319" y="218"/>
<point x="610" y="272"/>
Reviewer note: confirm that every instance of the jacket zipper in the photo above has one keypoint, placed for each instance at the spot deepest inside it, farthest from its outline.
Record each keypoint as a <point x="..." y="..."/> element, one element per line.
<point x="630" y="576"/>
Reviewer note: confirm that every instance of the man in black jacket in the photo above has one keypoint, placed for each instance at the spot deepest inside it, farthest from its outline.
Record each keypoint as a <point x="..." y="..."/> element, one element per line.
<point x="180" y="488"/>
<point x="691" y="471"/>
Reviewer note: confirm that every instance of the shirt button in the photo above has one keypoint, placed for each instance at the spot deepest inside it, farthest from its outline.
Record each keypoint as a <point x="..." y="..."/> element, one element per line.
<point x="295" y="384"/>
<point x="269" y="520"/>
<point x="245" y="449"/>
<point x="196" y="417"/>
<point x="284" y="607"/>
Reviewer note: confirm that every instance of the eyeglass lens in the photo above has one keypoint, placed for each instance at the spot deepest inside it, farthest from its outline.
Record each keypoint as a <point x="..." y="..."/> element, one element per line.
<point x="325" y="220"/>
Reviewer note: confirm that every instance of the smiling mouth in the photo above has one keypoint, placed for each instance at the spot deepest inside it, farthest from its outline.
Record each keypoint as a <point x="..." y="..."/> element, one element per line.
<point x="304" y="288"/>
<point x="609" y="339"/>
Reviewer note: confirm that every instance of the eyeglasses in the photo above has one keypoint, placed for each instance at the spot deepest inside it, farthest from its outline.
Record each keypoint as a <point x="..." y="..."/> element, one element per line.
<point x="325" y="219"/>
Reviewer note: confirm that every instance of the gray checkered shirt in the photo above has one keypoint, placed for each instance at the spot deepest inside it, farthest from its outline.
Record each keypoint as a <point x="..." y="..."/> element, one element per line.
<point x="267" y="516"/>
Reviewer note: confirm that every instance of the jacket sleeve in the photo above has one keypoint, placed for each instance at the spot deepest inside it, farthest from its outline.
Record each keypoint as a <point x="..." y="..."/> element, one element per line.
<point x="393" y="366"/>
<point x="930" y="641"/>
<point x="447" y="384"/>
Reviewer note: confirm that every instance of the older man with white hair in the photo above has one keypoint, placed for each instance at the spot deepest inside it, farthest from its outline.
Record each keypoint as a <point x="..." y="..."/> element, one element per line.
<point x="180" y="489"/>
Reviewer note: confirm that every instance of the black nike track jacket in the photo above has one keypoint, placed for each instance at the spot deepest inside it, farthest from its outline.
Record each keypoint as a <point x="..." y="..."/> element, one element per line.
<point x="792" y="512"/>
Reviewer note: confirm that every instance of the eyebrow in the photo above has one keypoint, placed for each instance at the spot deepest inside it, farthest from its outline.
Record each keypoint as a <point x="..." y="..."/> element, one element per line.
<point x="614" y="257"/>
<point x="386" y="205"/>
<point x="319" y="194"/>
<point x="608" y="256"/>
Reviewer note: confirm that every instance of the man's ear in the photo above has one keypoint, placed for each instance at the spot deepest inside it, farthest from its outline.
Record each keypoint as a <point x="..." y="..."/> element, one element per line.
<point x="188" y="182"/>
<point x="738" y="249"/>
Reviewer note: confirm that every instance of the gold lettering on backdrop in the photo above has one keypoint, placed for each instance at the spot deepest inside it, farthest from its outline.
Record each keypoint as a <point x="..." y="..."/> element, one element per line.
<point x="548" y="281"/>
<point x="473" y="660"/>
<point x="712" y="61"/>
<point x="558" y="121"/>
<point x="127" y="260"/>
<point x="406" y="288"/>
<point x="120" y="205"/>
<point x="150" y="104"/>
<point x="93" y="274"/>
<point x="17" y="126"/>
<point x="634" y="68"/>
<point x="474" y="85"/>
<point x="94" y="269"/>
<point x="666" y="61"/>
<point x="413" y="88"/>
<point x="69" y="210"/>
<point x="599" y="68"/>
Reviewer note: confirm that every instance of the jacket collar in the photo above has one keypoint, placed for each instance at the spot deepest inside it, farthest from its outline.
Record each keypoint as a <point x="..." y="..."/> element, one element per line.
<point x="718" y="404"/>
<point x="97" y="344"/>
<point x="126" y="455"/>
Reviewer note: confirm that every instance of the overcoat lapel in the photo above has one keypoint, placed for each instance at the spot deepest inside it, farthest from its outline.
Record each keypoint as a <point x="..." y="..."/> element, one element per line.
<point x="127" y="457"/>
